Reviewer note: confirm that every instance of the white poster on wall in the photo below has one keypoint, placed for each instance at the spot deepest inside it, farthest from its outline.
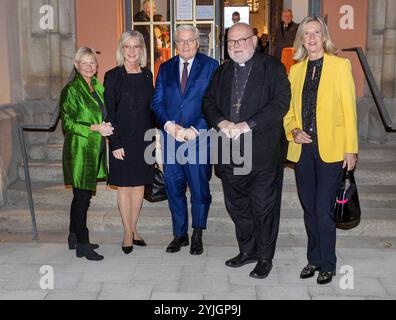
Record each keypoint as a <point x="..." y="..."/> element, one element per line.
<point x="184" y="9"/>
<point x="205" y="12"/>
<point x="228" y="11"/>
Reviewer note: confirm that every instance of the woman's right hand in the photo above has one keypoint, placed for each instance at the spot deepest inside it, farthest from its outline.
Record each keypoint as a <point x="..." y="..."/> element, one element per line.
<point x="301" y="137"/>
<point x="105" y="129"/>
<point x="119" y="154"/>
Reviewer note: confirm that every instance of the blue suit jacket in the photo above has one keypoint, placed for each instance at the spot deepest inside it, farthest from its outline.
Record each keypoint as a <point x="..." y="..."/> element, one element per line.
<point x="168" y="102"/>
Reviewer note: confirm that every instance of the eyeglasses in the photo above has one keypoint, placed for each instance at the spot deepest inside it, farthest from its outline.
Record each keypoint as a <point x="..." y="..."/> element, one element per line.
<point x="189" y="42"/>
<point x="240" y="42"/>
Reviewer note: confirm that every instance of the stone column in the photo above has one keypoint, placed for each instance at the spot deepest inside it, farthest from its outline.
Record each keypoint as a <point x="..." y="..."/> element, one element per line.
<point x="389" y="52"/>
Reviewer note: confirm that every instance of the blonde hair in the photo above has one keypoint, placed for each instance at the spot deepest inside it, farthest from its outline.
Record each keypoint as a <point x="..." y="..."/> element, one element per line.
<point x="125" y="37"/>
<point x="300" y="52"/>
<point x="85" y="51"/>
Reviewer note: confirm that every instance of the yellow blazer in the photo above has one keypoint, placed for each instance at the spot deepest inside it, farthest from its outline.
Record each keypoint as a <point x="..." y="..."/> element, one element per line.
<point x="335" y="111"/>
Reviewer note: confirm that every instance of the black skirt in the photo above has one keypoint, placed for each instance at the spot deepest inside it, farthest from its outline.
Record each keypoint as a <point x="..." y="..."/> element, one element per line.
<point x="133" y="171"/>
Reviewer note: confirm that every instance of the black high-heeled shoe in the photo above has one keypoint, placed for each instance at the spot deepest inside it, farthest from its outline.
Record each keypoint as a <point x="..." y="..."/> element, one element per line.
<point x="139" y="242"/>
<point x="128" y="249"/>
<point x="72" y="242"/>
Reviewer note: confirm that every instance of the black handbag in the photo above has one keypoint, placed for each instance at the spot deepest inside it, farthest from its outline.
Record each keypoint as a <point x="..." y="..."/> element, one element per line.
<point x="346" y="205"/>
<point x="156" y="192"/>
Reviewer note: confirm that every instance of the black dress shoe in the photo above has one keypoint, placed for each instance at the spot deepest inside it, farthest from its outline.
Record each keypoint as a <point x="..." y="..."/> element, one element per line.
<point x="308" y="271"/>
<point x="72" y="242"/>
<point x="177" y="243"/>
<point x="240" y="260"/>
<point x="325" y="277"/>
<point x="262" y="269"/>
<point x="196" y="245"/>
<point x="139" y="242"/>
<point x="85" y="250"/>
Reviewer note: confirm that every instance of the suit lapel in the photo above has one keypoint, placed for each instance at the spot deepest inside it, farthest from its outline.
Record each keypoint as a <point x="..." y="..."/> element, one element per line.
<point x="194" y="72"/>
<point x="227" y="89"/>
<point x="256" y="74"/>
<point x="325" y="76"/>
<point x="176" y="74"/>
<point x="299" y="86"/>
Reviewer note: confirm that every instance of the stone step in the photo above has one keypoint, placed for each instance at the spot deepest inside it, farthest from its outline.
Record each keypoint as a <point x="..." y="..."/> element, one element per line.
<point x="46" y="152"/>
<point x="367" y="152"/>
<point x="44" y="193"/>
<point x="377" y="152"/>
<point x="380" y="223"/>
<point x="366" y="173"/>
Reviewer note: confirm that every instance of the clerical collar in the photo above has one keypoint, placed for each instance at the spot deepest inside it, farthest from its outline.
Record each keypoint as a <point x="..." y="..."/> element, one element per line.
<point x="247" y="63"/>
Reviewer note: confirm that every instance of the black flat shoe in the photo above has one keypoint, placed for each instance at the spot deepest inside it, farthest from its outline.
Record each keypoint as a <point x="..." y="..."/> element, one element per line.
<point x="72" y="242"/>
<point x="196" y="245"/>
<point x="240" y="260"/>
<point x="177" y="243"/>
<point x="261" y="270"/>
<point x="325" y="277"/>
<point x="308" y="271"/>
<point x="139" y="242"/>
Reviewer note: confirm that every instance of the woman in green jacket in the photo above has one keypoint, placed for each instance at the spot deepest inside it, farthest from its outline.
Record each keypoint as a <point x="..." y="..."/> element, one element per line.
<point x="84" y="157"/>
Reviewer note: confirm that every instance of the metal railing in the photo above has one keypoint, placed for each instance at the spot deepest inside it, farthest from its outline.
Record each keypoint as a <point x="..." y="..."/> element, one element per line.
<point x="376" y="93"/>
<point x="21" y="133"/>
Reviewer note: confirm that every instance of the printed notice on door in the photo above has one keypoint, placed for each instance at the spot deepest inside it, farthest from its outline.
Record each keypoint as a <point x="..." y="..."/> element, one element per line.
<point x="184" y="9"/>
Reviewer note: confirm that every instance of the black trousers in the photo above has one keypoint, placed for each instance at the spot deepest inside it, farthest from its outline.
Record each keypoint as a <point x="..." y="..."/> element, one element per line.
<point x="253" y="202"/>
<point x="78" y="214"/>
<point x="317" y="184"/>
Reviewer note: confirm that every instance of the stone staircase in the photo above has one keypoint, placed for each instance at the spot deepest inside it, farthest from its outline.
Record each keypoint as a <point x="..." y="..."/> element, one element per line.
<point x="375" y="176"/>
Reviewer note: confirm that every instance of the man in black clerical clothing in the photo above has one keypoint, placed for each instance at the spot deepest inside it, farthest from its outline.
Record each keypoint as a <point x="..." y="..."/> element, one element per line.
<point x="250" y="95"/>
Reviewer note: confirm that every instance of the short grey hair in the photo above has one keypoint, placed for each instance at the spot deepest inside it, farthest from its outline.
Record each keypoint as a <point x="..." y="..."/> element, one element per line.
<point x="300" y="52"/>
<point x="247" y="27"/>
<point x="187" y="27"/>
<point x="85" y="51"/>
<point x="125" y="37"/>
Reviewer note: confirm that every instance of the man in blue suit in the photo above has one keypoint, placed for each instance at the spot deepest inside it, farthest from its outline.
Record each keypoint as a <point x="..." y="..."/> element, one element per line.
<point x="181" y="84"/>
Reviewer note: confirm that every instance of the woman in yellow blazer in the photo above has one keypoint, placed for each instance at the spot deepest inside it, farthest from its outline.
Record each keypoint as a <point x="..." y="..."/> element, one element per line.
<point x="321" y="127"/>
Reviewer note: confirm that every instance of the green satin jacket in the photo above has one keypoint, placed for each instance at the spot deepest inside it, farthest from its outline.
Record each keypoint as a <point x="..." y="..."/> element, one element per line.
<point x="82" y="161"/>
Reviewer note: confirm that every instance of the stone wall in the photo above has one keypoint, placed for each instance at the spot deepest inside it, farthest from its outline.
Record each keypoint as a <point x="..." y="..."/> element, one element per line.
<point x="46" y="53"/>
<point x="381" y="55"/>
<point x="39" y="62"/>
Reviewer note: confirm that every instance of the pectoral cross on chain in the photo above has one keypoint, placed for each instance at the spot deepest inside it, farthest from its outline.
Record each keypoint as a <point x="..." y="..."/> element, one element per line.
<point x="238" y="105"/>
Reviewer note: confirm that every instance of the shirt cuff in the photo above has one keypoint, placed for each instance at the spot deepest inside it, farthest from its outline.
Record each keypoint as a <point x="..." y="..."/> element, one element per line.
<point x="166" y="124"/>
<point x="196" y="131"/>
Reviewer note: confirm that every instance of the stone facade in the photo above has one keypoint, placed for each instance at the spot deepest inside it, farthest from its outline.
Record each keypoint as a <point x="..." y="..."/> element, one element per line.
<point x="381" y="55"/>
<point x="46" y="54"/>
<point x="39" y="63"/>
